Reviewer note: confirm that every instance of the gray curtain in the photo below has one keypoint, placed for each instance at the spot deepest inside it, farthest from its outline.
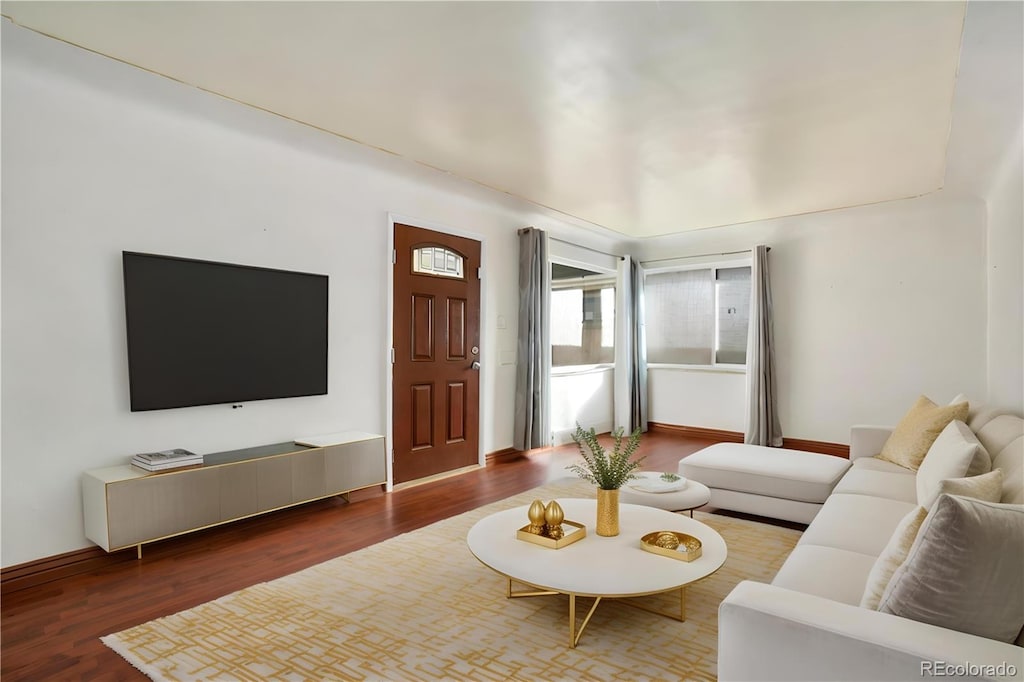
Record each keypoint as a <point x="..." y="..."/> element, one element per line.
<point x="762" y="394"/>
<point x="533" y="351"/>
<point x="638" y="349"/>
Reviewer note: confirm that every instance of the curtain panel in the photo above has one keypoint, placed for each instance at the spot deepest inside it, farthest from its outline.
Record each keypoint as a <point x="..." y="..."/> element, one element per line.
<point x="763" y="426"/>
<point x="533" y="350"/>
<point x="638" y="349"/>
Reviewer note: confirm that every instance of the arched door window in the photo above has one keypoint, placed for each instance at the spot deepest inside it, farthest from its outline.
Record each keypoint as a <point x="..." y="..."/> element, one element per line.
<point x="437" y="260"/>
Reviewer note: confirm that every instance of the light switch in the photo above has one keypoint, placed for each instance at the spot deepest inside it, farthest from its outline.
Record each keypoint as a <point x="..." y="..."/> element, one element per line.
<point x="501" y="322"/>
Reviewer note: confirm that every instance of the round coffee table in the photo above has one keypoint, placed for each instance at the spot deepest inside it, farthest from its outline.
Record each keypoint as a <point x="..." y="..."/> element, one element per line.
<point x="692" y="495"/>
<point x="596" y="566"/>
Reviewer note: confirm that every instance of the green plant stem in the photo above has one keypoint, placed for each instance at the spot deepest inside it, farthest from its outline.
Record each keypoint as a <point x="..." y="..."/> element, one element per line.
<point x="608" y="471"/>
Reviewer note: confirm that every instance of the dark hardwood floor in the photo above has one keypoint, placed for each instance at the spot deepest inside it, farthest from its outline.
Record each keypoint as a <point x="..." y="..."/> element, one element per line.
<point x="51" y="631"/>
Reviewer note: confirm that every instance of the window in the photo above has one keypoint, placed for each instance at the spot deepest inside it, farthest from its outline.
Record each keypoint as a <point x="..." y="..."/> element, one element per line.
<point x="698" y="316"/>
<point x="582" y="317"/>
<point x="437" y="260"/>
<point x="567" y="317"/>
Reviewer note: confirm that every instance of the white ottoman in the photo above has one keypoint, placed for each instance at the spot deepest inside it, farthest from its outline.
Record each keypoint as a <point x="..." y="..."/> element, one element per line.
<point x="688" y="498"/>
<point x="782" y="484"/>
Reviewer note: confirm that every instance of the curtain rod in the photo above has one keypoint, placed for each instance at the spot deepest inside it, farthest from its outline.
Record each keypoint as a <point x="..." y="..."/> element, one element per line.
<point x="700" y="255"/>
<point x="578" y="246"/>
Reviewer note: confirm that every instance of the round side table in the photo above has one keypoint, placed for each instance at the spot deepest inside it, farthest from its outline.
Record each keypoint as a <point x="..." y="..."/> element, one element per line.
<point x="691" y="496"/>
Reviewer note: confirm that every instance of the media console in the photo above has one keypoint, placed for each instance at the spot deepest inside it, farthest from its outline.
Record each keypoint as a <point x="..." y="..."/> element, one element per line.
<point x="126" y="506"/>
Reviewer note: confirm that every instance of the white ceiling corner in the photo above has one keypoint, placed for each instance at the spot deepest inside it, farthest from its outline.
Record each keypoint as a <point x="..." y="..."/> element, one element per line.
<point x="644" y="118"/>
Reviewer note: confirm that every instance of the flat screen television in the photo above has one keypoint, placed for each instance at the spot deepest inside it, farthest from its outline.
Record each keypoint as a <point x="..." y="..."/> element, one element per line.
<point x="204" y="333"/>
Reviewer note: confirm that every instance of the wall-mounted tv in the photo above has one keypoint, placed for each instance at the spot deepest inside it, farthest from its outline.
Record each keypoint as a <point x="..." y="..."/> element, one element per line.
<point x="204" y="333"/>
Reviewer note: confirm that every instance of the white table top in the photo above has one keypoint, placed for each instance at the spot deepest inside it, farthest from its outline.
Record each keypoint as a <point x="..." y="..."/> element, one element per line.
<point x="596" y="566"/>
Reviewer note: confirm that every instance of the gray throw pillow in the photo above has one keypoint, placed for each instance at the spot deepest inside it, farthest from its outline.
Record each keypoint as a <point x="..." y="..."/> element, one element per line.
<point x="965" y="570"/>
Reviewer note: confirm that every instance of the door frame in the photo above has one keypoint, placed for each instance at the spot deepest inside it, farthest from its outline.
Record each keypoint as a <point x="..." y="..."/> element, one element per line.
<point x="485" y="354"/>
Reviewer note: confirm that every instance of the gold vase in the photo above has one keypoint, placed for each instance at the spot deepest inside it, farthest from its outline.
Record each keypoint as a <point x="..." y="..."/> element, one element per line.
<point x="607" y="512"/>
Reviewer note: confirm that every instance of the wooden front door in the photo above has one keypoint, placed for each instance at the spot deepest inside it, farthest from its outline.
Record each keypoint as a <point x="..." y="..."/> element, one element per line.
<point x="437" y="337"/>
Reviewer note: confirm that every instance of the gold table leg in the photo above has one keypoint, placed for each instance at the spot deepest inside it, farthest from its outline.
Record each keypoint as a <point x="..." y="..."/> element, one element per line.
<point x="682" y="607"/>
<point x="574" y="632"/>
<point x="509" y="594"/>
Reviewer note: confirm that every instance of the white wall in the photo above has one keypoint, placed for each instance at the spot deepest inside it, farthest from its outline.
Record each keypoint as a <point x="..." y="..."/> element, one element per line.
<point x="873" y="306"/>
<point x="708" y="399"/>
<point x="581" y="396"/>
<point x="99" y="157"/>
<point x="1006" y="282"/>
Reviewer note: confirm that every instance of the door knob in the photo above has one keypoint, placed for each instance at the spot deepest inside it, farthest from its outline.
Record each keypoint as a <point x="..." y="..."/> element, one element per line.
<point x="475" y="365"/>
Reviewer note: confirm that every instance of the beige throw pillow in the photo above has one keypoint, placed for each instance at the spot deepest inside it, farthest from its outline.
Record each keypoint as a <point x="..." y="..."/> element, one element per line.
<point x="987" y="487"/>
<point x="952" y="455"/>
<point x="963" y="571"/>
<point x="892" y="557"/>
<point x="918" y="429"/>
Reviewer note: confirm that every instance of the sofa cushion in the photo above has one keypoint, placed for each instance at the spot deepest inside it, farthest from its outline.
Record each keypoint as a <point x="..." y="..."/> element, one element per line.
<point x="1000" y="432"/>
<point x="892" y="557"/>
<point x="774" y="472"/>
<point x="875" y="464"/>
<point x="867" y="481"/>
<point x="1003" y="438"/>
<point x="836" y="574"/>
<point x="954" y="454"/>
<point x="964" y="570"/>
<point x="918" y="429"/>
<point x="858" y="523"/>
<point x="978" y="414"/>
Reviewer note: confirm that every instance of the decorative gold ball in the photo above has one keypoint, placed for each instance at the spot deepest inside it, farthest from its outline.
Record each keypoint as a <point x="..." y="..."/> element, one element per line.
<point x="667" y="540"/>
<point x="536" y="513"/>
<point x="554" y="515"/>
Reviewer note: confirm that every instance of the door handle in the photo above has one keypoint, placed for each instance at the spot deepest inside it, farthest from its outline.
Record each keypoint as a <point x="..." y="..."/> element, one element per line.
<point x="475" y="365"/>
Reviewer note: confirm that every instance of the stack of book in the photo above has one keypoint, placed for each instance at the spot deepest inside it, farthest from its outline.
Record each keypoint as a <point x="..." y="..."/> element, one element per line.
<point x="166" y="459"/>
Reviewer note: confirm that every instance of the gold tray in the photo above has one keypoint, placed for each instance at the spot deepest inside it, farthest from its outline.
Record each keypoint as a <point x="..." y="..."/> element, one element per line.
<point x="688" y="550"/>
<point x="575" y="533"/>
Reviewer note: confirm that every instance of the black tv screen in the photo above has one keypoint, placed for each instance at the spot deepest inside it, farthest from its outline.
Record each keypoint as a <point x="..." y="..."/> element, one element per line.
<point x="203" y="333"/>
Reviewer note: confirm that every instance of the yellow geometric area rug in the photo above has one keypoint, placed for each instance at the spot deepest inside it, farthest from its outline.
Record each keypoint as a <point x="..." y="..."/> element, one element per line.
<point x="421" y="607"/>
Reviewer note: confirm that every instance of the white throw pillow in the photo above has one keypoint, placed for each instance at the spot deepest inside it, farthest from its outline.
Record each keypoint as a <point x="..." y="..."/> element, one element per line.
<point x="892" y="557"/>
<point x="964" y="570"/>
<point x="954" y="454"/>
<point x="987" y="487"/>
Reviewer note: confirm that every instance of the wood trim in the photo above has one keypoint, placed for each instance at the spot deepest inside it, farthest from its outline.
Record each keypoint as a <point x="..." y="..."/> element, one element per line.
<point x="503" y="455"/>
<point x="720" y="436"/>
<point x="821" y="447"/>
<point x="717" y="435"/>
<point x="48" y="569"/>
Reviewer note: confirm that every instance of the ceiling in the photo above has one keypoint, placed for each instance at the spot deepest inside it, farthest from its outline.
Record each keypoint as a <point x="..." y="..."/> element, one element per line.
<point x="644" y="118"/>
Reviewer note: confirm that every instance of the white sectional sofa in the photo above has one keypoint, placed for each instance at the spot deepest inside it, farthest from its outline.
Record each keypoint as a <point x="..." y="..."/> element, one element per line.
<point x="808" y="623"/>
